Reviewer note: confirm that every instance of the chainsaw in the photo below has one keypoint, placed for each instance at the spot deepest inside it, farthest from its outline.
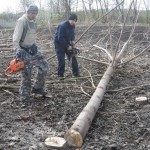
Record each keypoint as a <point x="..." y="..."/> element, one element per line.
<point x="74" y="52"/>
<point x="16" y="66"/>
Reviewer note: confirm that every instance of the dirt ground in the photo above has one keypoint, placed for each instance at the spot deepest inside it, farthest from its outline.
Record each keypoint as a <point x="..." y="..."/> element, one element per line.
<point x="119" y="124"/>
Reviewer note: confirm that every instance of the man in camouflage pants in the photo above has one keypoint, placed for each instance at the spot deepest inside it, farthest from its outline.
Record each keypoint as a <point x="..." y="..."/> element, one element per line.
<point x="24" y="42"/>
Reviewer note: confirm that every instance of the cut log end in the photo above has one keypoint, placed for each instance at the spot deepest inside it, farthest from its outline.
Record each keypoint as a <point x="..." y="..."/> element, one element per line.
<point x="73" y="138"/>
<point x="141" y="100"/>
<point x="55" y="142"/>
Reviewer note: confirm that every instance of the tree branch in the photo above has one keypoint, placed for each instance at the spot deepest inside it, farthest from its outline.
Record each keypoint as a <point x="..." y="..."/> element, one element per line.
<point x="105" y="50"/>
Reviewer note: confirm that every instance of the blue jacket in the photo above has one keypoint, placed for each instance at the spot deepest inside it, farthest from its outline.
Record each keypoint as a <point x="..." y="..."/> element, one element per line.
<point x="64" y="34"/>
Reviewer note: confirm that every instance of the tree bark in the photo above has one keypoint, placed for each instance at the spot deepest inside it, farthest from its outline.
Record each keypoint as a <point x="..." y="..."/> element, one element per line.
<point x="75" y="135"/>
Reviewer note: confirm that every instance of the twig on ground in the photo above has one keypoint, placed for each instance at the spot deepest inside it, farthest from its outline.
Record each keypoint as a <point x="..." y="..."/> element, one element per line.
<point x="137" y="115"/>
<point x="84" y="91"/>
<point x="92" y="82"/>
<point x="10" y="93"/>
<point x="93" y="60"/>
<point x="71" y="79"/>
<point x="127" y="88"/>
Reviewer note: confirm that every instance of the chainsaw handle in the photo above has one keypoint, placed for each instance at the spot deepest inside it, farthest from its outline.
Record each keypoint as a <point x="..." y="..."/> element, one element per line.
<point x="8" y="71"/>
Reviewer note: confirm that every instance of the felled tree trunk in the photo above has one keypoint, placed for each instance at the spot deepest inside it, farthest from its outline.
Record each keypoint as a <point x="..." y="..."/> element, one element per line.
<point x="75" y="135"/>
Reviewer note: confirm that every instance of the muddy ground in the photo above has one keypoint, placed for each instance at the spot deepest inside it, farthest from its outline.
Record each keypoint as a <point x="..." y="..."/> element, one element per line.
<point x="119" y="124"/>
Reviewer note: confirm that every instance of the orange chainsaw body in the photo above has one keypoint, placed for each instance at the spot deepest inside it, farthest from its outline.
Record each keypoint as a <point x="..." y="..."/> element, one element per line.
<point x="14" y="66"/>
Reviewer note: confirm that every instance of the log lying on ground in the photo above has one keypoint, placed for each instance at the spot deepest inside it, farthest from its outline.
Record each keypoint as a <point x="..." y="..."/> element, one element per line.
<point x="75" y="135"/>
<point x="9" y="87"/>
<point x="6" y="49"/>
<point x="6" y="39"/>
<point x="5" y="45"/>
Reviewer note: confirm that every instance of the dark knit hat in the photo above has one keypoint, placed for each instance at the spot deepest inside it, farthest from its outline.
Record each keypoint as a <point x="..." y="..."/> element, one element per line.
<point x="32" y="8"/>
<point x="73" y="17"/>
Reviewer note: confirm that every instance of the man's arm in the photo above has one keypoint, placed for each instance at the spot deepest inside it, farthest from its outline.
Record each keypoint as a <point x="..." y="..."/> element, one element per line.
<point x="18" y="33"/>
<point x="73" y="34"/>
<point x="61" y="36"/>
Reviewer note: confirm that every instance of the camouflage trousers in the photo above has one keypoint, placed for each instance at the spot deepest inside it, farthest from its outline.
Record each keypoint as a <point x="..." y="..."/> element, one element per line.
<point x="26" y="74"/>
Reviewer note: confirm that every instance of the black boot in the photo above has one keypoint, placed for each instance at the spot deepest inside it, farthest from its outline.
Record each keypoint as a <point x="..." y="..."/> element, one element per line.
<point x="41" y="92"/>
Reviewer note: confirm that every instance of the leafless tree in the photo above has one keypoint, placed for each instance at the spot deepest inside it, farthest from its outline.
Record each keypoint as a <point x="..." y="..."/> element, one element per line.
<point x="66" y="4"/>
<point x="147" y="11"/>
<point x="26" y="3"/>
<point x="84" y="8"/>
<point x="121" y="9"/>
<point x="40" y="3"/>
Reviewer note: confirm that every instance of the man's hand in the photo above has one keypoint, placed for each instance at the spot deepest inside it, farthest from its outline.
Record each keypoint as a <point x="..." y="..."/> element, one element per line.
<point x="72" y="44"/>
<point x="19" y="55"/>
<point x="69" y="48"/>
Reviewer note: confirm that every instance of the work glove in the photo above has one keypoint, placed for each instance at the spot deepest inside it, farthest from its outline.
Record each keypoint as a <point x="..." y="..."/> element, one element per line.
<point x="33" y="50"/>
<point x="19" y="55"/>
<point x="69" y="48"/>
<point x="74" y="52"/>
<point x="72" y="44"/>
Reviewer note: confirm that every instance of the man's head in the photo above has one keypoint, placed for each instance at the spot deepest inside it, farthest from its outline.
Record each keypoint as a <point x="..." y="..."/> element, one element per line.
<point x="32" y="11"/>
<point x="73" y="19"/>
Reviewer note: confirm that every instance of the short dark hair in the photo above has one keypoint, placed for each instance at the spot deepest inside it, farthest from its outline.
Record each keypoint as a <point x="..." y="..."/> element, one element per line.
<point x="73" y="17"/>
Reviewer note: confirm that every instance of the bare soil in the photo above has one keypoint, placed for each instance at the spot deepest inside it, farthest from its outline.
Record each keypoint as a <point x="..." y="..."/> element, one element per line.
<point x="119" y="124"/>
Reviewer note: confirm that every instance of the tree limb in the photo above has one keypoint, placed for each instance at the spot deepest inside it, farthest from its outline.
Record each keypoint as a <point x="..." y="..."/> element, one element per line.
<point x="135" y="56"/>
<point x="127" y="88"/>
<point x="93" y="60"/>
<point x="108" y="54"/>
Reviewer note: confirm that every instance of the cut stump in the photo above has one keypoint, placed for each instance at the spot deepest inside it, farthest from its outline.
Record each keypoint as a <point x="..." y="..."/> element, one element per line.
<point x="73" y="138"/>
<point x="141" y="100"/>
<point x="55" y="142"/>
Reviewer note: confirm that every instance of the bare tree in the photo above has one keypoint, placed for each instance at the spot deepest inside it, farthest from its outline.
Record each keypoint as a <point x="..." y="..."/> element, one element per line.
<point x="147" y="11"/>
<point x="40" y="3"/>
<point x="67" y="7"/>
<point x="54" y="6"/>
<point x="26" y="3"/>
<point x="61" y="7"/>
<point x="98" y="15"/>
<point x="85" y="9"/>
<point x="121" y="9"/>
<point x="90" y="2"/>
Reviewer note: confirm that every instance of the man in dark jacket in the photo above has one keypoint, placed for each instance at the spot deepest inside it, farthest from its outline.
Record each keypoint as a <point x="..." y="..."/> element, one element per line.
<point x="64" y="37"/>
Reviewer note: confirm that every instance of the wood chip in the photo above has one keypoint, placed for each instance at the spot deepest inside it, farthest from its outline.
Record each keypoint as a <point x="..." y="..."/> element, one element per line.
<point x="55" y="142"/>
<point x="141" y="100"/>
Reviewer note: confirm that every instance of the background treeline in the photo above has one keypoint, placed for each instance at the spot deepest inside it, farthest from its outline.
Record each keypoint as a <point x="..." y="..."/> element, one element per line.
<point x="53" y="11"/>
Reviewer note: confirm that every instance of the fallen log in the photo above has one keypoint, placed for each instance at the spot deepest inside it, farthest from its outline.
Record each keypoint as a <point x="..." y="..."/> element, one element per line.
<point x="6" y="49"/>
<point x="6" y="39"/>
<point x="12" y="87"/>
<point x="6" y="30"/>
<point x="75" y="135"/>
<point x="10" y="80"/>
<point x="6" y="45"/>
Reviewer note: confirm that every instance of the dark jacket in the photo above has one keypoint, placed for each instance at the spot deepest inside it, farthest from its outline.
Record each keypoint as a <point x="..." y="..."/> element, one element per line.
<point x="64" y="34"/>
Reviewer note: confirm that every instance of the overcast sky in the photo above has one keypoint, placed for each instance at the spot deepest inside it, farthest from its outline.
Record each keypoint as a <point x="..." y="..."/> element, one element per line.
<point x="13" y="5"/>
